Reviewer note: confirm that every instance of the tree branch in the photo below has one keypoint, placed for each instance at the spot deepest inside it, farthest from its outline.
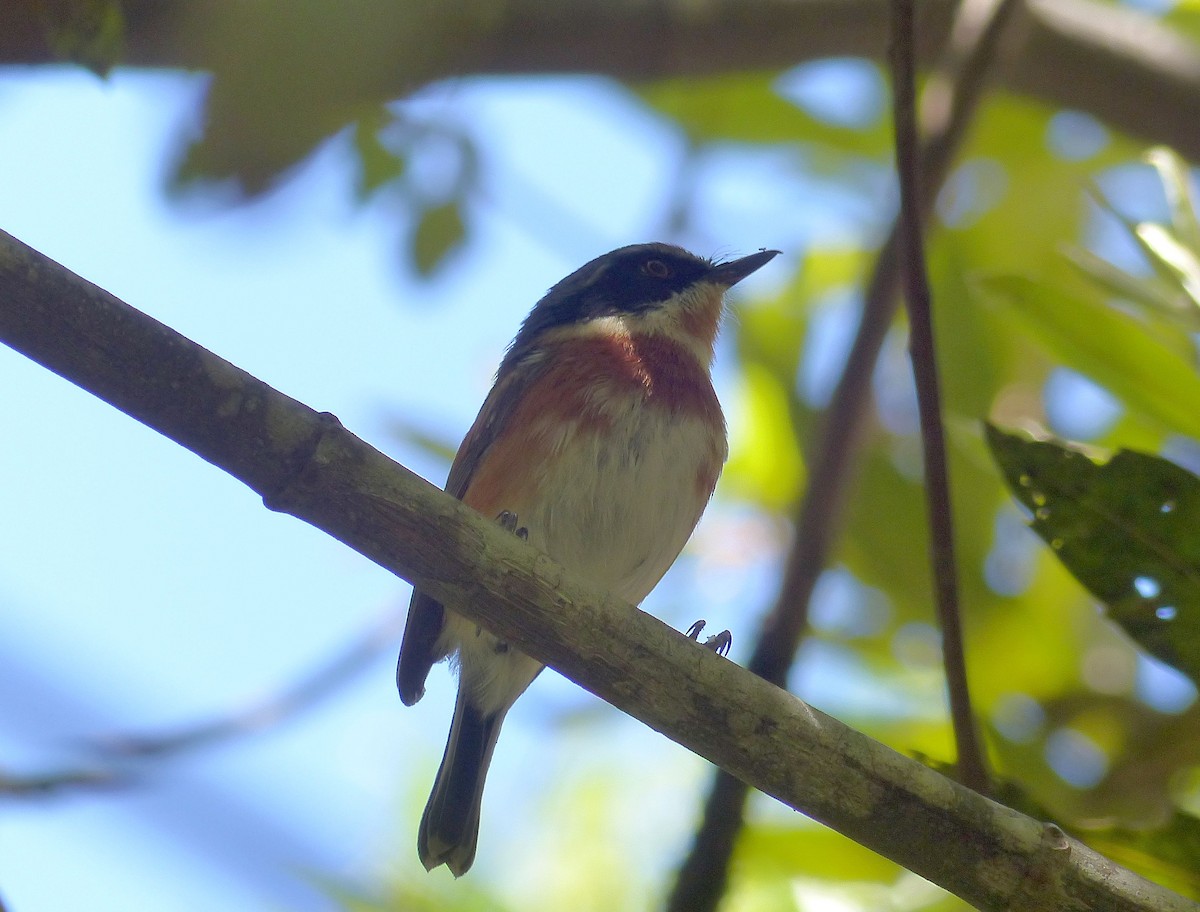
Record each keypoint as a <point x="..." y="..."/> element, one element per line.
<point x="958" y="84"/>
<point x="1082" y="54"/>
<point x="971" y="760"/>
<point x="308" y="465"/>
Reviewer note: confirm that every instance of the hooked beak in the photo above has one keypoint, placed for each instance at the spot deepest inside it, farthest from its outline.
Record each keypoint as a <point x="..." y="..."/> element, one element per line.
<point x="729" y="274"/>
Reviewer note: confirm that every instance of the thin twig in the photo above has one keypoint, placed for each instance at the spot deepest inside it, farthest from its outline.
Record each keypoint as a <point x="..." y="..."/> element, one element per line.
<point x="285" y="703"/>
<point x="972" y="764"/>
<point x="702" y="877"/>
<point x="36" y="785"/>
<point x="114" y="752"/>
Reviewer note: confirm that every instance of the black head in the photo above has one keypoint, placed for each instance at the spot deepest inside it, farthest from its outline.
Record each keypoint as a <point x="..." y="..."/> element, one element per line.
<point x="628" y="280"/>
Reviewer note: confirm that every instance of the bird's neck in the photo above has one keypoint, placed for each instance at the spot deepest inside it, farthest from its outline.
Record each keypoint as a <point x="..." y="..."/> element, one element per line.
<point x="688" y="323"/>
<point x="662" y="369"/>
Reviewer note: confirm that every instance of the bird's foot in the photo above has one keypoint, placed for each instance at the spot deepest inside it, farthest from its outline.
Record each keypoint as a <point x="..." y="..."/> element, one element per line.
<point x="508" y="522"/>
<point x="719" y="643"/>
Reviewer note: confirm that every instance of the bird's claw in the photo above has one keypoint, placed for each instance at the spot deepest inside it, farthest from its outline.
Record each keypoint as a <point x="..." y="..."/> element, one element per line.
<point x="508" y="522"/>
<point x="720" y="643"/>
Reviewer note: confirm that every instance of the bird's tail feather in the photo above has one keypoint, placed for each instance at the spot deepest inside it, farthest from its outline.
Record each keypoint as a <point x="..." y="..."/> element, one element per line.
<point x="450" y="825"/>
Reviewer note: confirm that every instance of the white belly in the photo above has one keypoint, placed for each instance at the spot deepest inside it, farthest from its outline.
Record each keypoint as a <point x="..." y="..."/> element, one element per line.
<point x="616" y="508"/>
<point x="624" y="526"/>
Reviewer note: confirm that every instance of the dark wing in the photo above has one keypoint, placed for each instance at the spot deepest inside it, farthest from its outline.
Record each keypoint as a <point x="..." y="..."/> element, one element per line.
<point x="419" y="648"/>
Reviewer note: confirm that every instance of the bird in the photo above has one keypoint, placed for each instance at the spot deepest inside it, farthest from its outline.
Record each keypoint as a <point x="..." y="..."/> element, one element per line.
<point x="600" y="443"/>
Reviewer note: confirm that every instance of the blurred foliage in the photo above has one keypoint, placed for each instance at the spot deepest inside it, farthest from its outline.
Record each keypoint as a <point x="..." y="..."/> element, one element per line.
<point x="1110" y="346"/>
<point x="88" y="32"/>
<point x="439" y="230"/>
<point x="391" y="149"/>
<point x="1172" y="290"/>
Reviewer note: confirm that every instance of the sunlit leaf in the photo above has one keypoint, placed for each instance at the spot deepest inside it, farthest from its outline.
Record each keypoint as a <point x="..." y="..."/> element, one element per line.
<point x="1135" y="230"/>
<point x="1111" y="347"/>
<point x="777" y="850"/>
<point x="765" y="463"/>
<point x="772" y="335"/>
<point x="1151" y="292"/>
<point x="1128" y="529"/>
<point x="1170" y="295"/>
<point x="1173" y="288"/>
<point x="1174" y="256"/>
<point x="423" y="439"/>
<point x="1177" y="185"/>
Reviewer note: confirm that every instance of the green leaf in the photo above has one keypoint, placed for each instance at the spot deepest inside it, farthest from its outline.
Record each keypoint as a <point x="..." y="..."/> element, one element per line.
<point x="378" y="165"/>
<point x="765" y="463"/>
<point x="779" y="850"/>
<point x="1173" y="257"/>
<point x="440" y="229"/>
<point x="1113" y="348"/>
<point x="422" y="439"/>
<point x="88" y="32"/>
<point x="1177" y="185"/>
<point x="1172" y="253"/>
<point x="1161" y="298"/>
<point x="1128" y="529"/>
<point x="1143" y="239"/>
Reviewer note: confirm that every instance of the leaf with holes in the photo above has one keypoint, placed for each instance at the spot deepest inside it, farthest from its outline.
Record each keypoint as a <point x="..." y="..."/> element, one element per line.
<point x="1128" y="529"/>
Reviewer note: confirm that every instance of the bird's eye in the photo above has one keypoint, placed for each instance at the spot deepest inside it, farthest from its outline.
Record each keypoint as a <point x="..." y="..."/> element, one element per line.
<point x="656" y="269"/>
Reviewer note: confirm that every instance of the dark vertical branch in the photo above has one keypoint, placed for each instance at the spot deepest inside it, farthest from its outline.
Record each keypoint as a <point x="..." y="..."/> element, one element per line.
<point x="974" y="46"/>
<point x="972" y="765"/>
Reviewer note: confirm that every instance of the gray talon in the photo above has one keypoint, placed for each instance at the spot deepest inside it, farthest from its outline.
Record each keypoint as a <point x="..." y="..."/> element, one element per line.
<point x="508" y="522"/>
<point x="719" y="643"/>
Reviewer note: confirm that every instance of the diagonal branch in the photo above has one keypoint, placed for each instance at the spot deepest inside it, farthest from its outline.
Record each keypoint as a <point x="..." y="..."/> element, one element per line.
<point x="306" y="464"/>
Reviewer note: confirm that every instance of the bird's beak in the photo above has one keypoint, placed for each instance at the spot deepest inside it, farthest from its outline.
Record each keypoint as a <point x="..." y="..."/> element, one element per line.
<point x="729" y="274"/>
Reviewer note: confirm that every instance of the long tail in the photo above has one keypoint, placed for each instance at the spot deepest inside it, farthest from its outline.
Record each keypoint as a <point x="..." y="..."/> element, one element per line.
<point x="450" y="825"/>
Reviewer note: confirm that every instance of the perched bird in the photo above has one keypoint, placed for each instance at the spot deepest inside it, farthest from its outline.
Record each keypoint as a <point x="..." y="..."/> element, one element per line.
<point x="602" y="438"/>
